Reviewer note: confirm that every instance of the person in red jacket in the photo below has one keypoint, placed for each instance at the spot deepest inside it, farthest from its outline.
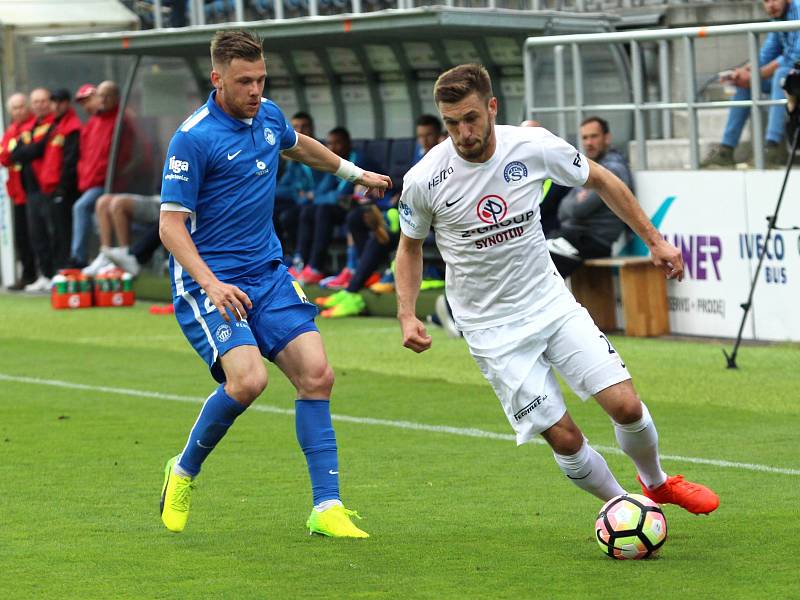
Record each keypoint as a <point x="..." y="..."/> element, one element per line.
<point x="95" y="147"/>
<point x="59" y="174"/>
<point x="86" y="98"/>
<point x="28" y="153"/>
<point x="20" y="113"/>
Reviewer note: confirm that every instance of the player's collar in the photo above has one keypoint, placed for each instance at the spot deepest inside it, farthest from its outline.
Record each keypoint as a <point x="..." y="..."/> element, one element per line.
<point x="229" y="121"/>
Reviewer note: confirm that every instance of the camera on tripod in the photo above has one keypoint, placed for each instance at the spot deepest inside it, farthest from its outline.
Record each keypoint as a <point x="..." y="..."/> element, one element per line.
<point x="791" y="87"/>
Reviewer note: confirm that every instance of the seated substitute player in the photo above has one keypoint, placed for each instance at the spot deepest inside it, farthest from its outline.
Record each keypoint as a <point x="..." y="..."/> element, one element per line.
<point x="517" y="316"/>
<point x="234" y="299"/>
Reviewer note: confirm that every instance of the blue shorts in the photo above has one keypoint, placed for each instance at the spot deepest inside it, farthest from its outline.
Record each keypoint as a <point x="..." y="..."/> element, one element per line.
<point x="280" y="313"/>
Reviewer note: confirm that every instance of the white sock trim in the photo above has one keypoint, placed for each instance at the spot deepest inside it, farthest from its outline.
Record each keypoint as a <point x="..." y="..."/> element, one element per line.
<point x="326" y="504"/>
<point x="637" y="426"/>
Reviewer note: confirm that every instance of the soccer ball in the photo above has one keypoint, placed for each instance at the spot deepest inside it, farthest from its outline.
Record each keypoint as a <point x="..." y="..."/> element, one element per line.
<point x="630" y="526"/>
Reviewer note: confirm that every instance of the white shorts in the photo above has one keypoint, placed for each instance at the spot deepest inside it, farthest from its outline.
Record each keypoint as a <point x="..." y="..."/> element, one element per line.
<point x="517" y="360"/>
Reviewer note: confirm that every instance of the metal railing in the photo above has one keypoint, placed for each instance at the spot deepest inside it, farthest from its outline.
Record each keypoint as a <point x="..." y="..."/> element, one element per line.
<point x="200" y="11"/>
<point x="686" y="37"/>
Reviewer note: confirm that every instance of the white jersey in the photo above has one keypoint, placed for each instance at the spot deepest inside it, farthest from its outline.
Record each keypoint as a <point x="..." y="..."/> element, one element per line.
<point x="487" y="223"/>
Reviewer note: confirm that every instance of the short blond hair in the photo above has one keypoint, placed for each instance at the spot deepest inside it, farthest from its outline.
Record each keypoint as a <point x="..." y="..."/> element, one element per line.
<point x="228" y="45"/>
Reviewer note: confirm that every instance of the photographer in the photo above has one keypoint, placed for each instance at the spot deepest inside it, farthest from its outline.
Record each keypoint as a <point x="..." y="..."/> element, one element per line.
<point x="780" y="51"/>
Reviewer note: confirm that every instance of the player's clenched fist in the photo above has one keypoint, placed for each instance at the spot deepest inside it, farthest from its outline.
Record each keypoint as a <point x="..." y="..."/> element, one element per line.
<point x="376" y="182"/>
<point x="414" y="335"/>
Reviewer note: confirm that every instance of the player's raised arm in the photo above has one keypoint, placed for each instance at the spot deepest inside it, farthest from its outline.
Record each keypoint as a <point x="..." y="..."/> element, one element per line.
<point x="408" y="277"/>
<point x="624" y="204"/>
<point x="310" y="152"/>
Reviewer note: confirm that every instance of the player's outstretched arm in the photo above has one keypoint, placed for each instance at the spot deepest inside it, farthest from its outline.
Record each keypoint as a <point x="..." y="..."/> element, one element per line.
<point x="621" y="200"/>
<point x="176" y="239"/>
<point x="310" y="152"/>
<point x="407" y="279"/>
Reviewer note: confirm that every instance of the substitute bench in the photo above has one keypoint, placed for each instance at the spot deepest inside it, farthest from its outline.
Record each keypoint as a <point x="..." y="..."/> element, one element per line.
<point x="643" y="292"/>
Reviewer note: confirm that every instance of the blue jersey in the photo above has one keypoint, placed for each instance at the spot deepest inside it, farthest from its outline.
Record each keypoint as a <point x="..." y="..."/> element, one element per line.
<point x="223" y="170"/>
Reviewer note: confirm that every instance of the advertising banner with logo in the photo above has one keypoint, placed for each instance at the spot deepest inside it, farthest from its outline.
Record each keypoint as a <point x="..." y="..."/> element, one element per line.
<point x="777" y="297"/>
<point x="718" y="220"/>
<point x="703" y="215"/>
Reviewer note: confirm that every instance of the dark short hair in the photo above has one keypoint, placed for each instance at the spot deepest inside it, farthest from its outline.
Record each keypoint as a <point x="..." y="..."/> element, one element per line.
<point x="227" y="45"/>
<point x="341" y="132"/>
<point x="602" y="122"/>
<point x="301" y="114"/>
<point x="430" y="121"/>
<point x="459" y="82"/>
<point x="60" y="95"/>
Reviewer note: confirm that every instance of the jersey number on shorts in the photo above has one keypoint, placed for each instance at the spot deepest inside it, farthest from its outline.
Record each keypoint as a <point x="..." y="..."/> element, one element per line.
<point x="207" y="304"/>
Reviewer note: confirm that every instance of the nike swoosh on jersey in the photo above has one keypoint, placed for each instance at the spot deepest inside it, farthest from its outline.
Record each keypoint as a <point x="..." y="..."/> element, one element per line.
<point x="448" y="204"/>
<point x="232" y="156"/>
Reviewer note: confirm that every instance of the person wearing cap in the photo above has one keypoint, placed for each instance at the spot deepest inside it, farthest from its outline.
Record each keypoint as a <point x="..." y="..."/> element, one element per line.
<point x="95" y="148"/>
<point x="87" y="99"/>
<point x="59" y="173"/>
<point x="20" y="112"/>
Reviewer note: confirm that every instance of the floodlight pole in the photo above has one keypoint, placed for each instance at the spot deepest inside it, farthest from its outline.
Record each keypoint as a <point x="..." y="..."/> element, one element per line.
<point x="771" y="221"/>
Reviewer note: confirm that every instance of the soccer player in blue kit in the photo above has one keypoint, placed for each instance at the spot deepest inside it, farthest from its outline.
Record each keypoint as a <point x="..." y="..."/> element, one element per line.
<point x="234" y="299"/>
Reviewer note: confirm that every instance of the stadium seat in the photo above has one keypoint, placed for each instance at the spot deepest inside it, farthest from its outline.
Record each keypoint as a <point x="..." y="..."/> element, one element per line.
<point x="359" y="146"/>
<point x="401" y="154"/>
<point x="377" y="151"/>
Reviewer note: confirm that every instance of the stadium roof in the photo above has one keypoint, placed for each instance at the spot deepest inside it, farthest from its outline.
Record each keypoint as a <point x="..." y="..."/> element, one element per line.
<point x="43" y="16"/>
<point x="383" y="27"/>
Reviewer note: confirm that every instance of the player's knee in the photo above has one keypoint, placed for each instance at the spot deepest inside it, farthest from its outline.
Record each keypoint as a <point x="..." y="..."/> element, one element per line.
<point x="564" y="437"/>
<point x="247" y="387"/>
<point x="317" y="382"/>
<point x="628" y="410"/>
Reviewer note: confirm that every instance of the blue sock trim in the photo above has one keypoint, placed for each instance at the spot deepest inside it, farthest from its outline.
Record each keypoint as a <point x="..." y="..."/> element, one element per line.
<point x="352" y="257"/>
<point x="215" y="418"/>
<point x="318" y="441"/>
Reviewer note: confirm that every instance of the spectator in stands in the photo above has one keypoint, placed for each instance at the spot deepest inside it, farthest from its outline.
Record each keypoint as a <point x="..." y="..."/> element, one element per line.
<point x="87" y="99"/>
<point x="429" y="133"/>
<point x="294" y="189"/>
<point x="177" y="13"/>
<point x="778" y="54"/>
<point x="115" y="213"/>
<point x="587" y="227"/>
<point x="28" y="153"/>
<point x="332" y="197"/>
<point x="375" y="230"/>
<point x="375" y="235"/>
<point x="95" y="147"/>
<point x="59" y="174"/>
<point x="20" y="114"/>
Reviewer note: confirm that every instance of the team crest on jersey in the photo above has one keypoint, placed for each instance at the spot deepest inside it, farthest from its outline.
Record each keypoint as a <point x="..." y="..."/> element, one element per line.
<point x="269" y="136"/>
<point x="492" y="209"/>
<point x="223" y="333"/>
<point x="515" y="171"/>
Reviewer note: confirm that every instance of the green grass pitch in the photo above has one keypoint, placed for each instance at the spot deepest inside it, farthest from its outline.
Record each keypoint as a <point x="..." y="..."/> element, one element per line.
<point x="93" y="402"/>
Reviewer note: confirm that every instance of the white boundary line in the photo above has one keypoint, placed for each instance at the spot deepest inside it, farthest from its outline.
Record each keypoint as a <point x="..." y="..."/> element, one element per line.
<point x="464" y="432"/>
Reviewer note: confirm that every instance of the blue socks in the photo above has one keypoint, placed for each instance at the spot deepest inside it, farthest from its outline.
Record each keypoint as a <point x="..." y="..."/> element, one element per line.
<point x="217" y="415"/>
<point x="352" y="257"/>
<point x="318" y="442"/>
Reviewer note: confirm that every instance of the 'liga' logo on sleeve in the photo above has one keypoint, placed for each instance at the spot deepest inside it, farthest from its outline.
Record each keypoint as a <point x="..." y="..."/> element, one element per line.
<point x="177" y="165"/>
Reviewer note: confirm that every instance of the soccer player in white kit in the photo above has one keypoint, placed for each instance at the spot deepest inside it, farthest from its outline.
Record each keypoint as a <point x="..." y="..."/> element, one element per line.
<point x="480" y="190"/>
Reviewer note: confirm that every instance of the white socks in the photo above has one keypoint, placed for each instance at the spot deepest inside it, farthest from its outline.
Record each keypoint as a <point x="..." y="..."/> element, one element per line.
<point x="639" y="440"/>
<point x="326" y="504"/>
<point x="589" y="471"/>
